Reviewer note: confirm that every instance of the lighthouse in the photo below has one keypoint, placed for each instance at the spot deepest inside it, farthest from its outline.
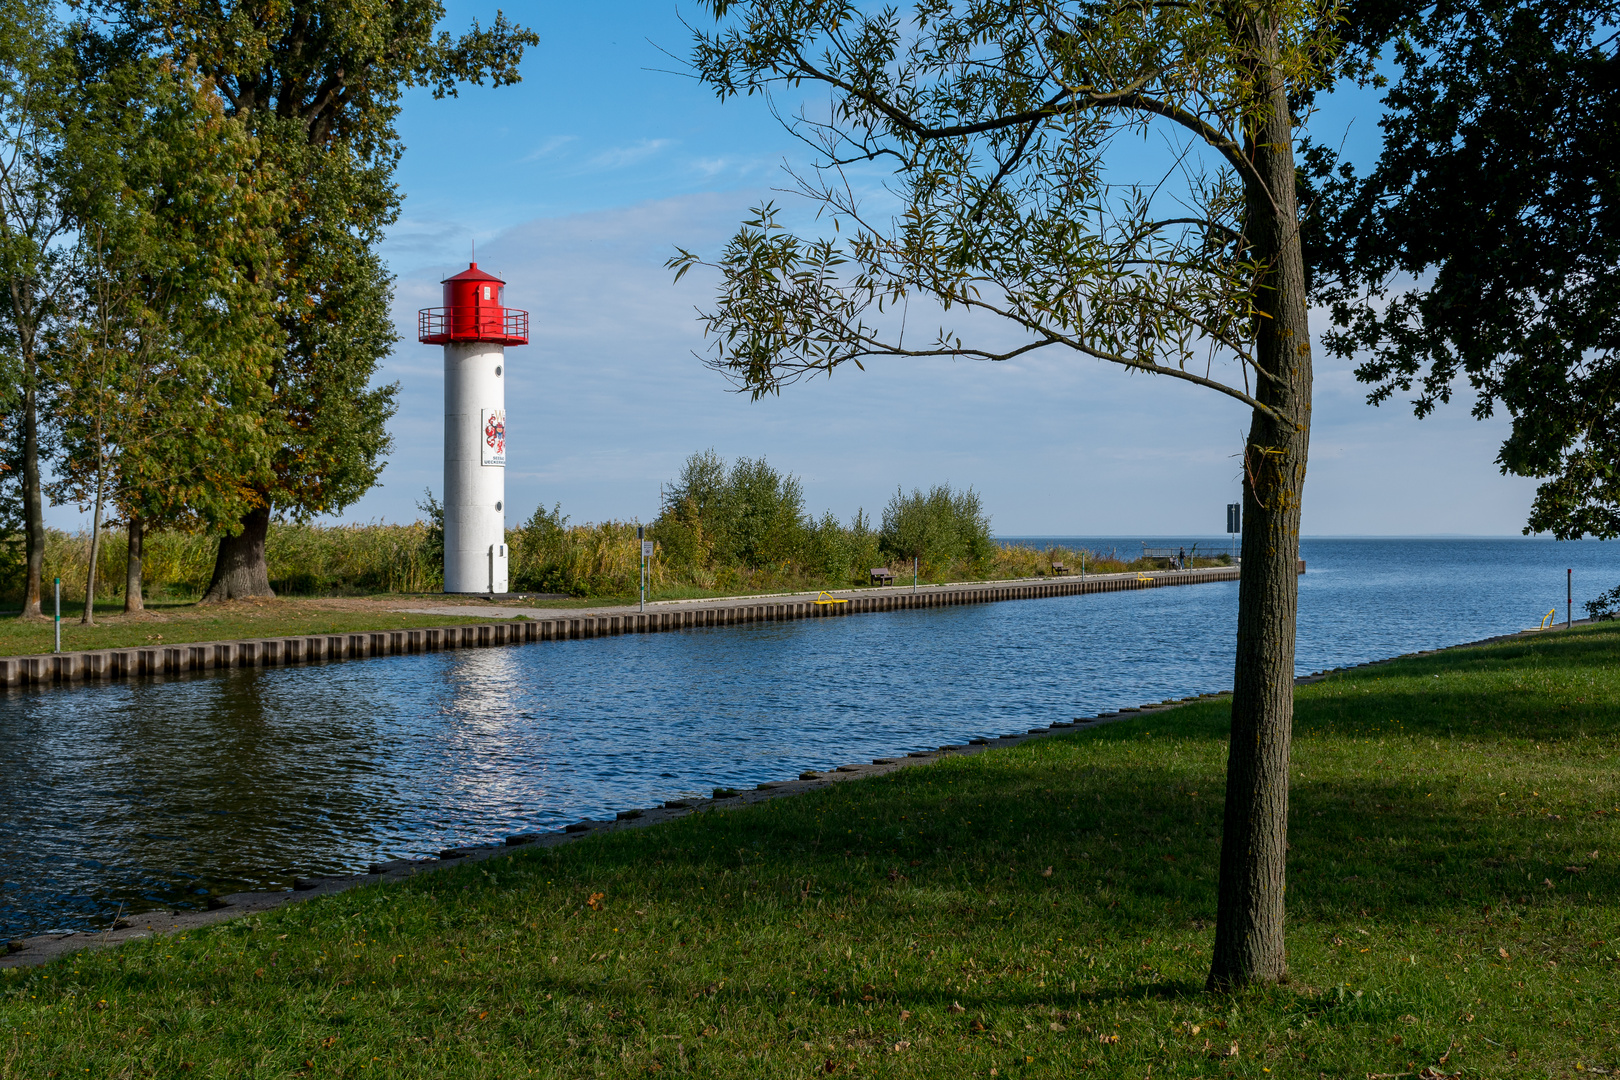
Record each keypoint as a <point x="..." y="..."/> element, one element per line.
<point x="474" y="326"/>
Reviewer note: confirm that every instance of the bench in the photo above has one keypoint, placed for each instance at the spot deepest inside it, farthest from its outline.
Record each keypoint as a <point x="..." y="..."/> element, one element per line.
<point x="882" y="575"/>
<point x="1059" y="568"/>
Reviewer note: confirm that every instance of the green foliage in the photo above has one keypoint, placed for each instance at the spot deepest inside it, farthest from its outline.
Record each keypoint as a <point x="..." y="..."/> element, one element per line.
<point x="434" y="521"/>
<point x="318" y="85"/>
<point x="161" y="363"/>
<point x="944" y="529"/>
<point x="304" y="559"/>
<point x="1484" y="245"/>
<point x="549" y="555"/>
<point x="749" y="515"/>
<point x="1000" y="120"/>
<point x="1605" y="606"/>
<point x="742" y="528"/>
<point x="1018" y="910"/>
<point x="35" y="71"/>
<point x="745" y="527"/>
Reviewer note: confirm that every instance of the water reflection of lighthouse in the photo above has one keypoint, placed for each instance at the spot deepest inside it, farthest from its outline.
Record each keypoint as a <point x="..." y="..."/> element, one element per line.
<point x="474" y="326"/>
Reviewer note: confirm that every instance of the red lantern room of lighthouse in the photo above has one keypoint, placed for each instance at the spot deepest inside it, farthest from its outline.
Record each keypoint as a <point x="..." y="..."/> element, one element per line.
<point x="474" y="326"/>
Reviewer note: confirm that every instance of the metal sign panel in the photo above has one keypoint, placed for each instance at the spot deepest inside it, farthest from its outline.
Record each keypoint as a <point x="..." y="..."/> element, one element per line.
<point x="492" y="444"/>
<point x="1234" y="517"/>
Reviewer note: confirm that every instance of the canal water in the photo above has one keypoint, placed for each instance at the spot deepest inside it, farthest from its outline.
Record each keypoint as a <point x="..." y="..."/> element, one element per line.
<point x="158" y="794"/>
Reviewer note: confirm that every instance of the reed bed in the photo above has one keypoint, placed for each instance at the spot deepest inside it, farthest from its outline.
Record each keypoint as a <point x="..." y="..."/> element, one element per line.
<point x="596" y="560"/>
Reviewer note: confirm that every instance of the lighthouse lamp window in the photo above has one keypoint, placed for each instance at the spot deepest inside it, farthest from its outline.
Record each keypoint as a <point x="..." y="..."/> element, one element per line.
<point x="492" y="441"/>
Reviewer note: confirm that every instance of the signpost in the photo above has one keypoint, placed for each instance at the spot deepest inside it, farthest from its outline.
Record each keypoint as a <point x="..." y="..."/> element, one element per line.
<point x="58" y="615"/>
<point x="646" y="553"/>
<point x="1234" y="525"/>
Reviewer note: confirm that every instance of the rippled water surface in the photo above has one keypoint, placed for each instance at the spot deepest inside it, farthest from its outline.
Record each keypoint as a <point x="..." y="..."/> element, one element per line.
<point x="160" y="793"/>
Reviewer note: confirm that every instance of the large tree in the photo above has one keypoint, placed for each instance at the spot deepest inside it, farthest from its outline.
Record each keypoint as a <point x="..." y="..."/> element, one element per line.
<point x="1482" y="249"/>
<point x="162" y="364"/>
<point x="35" y="69"/>
<point x="1000" y="119"/>
<point x="319" y="84"/>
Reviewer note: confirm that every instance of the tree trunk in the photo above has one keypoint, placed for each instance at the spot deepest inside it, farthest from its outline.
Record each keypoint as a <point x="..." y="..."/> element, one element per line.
<point x="33" y="503"/>
<point x="240" y="569"/>
<point x="133" y="598"/>
<point x="1249" y="944"/>
<point x="89" y="616"/>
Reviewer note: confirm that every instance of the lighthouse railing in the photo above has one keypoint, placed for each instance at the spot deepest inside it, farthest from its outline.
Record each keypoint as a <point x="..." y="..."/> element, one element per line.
<point x="438" y="325"/>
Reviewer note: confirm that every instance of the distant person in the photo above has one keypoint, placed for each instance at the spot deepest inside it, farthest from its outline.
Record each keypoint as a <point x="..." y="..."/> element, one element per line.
<point x="1181" y="559"/>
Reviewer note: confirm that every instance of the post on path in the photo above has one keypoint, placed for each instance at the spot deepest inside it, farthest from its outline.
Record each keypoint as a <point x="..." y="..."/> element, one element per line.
<point x="646" y="553"/>
<point x="1569" y="597"/>
<point x="914" y="573"/>
<point x="58" y="647"/>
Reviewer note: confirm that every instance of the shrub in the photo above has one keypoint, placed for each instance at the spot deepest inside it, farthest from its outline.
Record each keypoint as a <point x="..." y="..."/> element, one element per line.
<point x="1605" y="607"/>
<point x="946" y="531"/>
<point x="747" y="517"/>
<point x="550" y="555"/>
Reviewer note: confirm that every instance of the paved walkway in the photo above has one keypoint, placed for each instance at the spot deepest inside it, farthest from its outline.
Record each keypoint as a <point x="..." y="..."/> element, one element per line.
<point x="924" y="595"/>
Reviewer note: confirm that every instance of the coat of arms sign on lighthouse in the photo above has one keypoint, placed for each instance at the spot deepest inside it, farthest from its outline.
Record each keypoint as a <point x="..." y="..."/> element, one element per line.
<point x="474" y="326"/>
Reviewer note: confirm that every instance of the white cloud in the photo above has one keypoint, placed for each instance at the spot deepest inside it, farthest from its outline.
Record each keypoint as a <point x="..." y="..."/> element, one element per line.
<point x="607" y="400"/>
<point x="620" y="157"/>
<point x="549" y="147"/>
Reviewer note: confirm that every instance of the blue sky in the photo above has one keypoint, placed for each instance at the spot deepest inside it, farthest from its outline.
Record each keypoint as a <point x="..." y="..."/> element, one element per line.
<point x="577" y="184"/>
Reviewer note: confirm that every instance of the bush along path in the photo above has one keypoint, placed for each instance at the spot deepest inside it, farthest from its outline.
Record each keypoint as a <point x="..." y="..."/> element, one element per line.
<point x="1043" y="910"/>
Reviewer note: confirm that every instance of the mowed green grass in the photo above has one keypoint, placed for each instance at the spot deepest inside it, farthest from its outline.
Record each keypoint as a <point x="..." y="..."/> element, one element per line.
<point x="177" y="624"/>
<point x="1043" y="911"/>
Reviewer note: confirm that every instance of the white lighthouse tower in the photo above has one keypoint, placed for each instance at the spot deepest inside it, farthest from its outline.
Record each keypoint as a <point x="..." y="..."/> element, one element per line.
<point x="474" y="326"/>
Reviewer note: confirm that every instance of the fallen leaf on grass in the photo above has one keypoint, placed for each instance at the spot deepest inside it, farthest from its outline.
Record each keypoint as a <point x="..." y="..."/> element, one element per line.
<point x="1109" y="1039"/>
<point x="595" y="902"/>
<point x="955" y="1007"/>
<point x="1503" y="953"/>
<point x="1047" y="872"/>
<point x="902" y="1045"/>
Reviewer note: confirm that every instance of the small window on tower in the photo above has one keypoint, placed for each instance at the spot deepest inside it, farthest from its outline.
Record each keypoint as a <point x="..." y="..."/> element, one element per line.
<point x="486" y="292"/>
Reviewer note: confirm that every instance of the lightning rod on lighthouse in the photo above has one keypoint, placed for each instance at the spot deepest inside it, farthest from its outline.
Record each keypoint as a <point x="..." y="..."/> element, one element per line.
<point x="474" y="326"/>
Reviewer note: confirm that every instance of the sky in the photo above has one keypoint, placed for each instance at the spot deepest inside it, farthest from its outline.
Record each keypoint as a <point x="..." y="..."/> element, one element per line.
<point x="578" y="184"/>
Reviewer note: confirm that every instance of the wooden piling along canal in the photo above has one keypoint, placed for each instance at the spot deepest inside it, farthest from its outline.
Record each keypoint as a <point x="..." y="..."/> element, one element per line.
<point x="170" y="661"/>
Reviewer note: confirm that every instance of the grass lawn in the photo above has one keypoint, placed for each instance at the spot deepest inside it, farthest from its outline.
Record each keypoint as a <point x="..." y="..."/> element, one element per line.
<point x="1042" y="911"/>
<point x="177" y="623"/>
